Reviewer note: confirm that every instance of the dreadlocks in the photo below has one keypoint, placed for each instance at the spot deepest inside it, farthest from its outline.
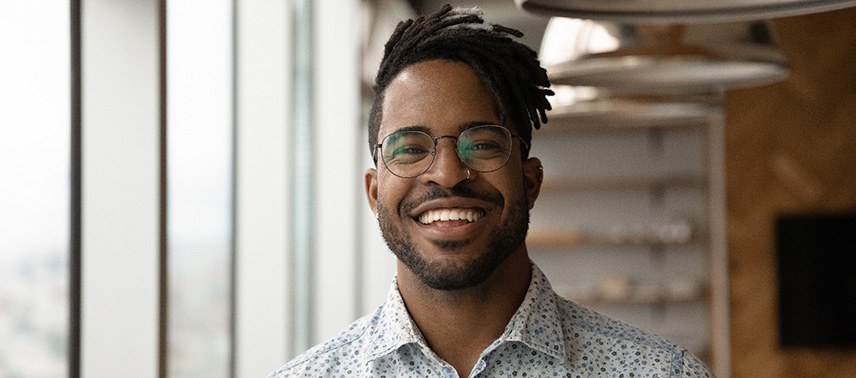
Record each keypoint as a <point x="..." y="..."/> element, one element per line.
<point x="510" y="70"/>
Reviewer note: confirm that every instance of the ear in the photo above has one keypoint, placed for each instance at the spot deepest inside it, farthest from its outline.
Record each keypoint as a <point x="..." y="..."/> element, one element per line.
<point x="371" y="188"/>
<point x="533" y="176"/>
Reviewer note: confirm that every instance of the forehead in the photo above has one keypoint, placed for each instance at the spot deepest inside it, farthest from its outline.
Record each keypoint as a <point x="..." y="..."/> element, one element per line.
<point x="440" y="95"/>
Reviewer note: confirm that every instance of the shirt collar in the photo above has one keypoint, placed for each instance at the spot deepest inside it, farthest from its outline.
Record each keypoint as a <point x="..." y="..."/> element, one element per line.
<point x="393" y="327"/>
<point x="536" y="322"/>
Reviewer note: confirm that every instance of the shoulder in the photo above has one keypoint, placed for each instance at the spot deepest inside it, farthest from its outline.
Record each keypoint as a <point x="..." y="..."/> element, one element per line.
<point x="335" y="355"/>
<point x="598" y="342"/>
<point x="693" y="367"/>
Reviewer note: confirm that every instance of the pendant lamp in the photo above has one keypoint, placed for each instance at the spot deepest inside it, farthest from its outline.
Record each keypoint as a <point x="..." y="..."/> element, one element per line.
<point x="680" y="11"/>
<point x="593" y="108"/>
<point x="654" y="58"/>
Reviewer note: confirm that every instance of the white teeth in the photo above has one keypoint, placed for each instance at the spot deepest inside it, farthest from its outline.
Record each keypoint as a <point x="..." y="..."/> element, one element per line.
<point x="432" y="216"/>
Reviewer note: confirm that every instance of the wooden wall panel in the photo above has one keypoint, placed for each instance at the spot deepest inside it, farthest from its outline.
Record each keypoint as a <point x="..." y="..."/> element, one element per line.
<point x="790" y="147"/>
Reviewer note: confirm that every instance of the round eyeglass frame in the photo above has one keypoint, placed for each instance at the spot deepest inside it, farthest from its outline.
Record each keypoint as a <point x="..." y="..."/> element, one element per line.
<point x="433" y="150"/>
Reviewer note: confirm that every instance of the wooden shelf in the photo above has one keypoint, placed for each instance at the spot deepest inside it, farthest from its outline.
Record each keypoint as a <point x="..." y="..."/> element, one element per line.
<point x="662" y="301"/>
<point x="570" y="239"/>
<point x="654" y="299"/>
<point x="624" y="183"/>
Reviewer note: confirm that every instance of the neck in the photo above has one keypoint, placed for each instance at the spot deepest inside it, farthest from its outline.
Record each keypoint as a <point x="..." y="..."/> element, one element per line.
<point x="459" y="324"/>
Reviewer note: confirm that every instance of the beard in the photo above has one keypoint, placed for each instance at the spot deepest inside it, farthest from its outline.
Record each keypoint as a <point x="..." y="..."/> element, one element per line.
<point x="502" y="242"/>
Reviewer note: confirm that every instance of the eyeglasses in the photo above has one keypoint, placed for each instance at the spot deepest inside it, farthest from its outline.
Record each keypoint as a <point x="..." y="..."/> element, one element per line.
<point x="410" y="153"/>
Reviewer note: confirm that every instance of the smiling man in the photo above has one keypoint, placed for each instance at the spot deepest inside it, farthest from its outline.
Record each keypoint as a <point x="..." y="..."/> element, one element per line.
<point x="455" y="104"/>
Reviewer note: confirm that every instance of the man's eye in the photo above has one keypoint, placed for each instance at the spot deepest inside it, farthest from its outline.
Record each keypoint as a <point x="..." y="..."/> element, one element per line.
<point x="483" y="149"/>
<point x="407" y="154"/>
<point x="409" y="150"/>
<point x="485" y="146"/>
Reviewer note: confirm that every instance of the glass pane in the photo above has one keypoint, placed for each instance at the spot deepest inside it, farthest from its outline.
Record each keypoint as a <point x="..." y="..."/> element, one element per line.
<point x="199" y="136"/>
<point x="34" y="187"/>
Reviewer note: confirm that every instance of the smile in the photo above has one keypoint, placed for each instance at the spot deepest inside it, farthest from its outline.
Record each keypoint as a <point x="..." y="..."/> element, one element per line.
<point x="453" y="214"/>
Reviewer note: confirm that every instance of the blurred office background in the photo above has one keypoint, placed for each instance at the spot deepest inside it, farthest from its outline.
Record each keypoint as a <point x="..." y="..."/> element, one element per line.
<point x="181" y="189"/>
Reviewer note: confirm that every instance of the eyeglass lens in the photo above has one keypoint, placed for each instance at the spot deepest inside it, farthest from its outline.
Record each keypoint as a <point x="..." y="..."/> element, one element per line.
<point x="481" y="148"/>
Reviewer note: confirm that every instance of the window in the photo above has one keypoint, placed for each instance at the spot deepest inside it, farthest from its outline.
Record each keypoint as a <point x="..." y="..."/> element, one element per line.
<point x="199" y="135"/>
<point x="34" y="166"/>
<point x="228" y="102"/>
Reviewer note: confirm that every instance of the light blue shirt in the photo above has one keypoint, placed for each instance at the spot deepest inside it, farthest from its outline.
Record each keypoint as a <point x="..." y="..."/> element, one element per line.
<point x="548" y="336"/>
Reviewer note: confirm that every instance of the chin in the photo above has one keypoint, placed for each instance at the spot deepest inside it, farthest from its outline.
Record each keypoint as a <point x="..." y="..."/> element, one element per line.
<point x="453" y="271"/>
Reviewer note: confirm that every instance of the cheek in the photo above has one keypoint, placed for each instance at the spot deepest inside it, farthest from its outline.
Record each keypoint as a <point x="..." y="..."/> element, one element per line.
<point x="513" y="190"/>
<point x="391" y="192"/>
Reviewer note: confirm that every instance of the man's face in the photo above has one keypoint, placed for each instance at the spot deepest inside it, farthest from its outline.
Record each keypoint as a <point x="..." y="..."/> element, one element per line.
<point x="445" y="98"/>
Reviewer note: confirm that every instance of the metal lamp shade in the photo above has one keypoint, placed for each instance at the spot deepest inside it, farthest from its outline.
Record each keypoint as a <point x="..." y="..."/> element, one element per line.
<point x="661" y="58"/>
<point x="680" y="11"/>
<point x="591" y="108"/>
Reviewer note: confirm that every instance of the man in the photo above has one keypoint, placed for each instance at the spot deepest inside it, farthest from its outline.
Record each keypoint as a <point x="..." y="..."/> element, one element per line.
<point x="455" y="103"/>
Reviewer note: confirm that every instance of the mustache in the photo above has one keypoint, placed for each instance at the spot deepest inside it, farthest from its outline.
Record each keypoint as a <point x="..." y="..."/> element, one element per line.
<point x="437" y="192"/>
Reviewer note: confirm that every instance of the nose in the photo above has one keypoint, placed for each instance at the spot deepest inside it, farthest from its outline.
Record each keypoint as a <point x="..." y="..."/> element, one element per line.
<point x="447" y="170"/>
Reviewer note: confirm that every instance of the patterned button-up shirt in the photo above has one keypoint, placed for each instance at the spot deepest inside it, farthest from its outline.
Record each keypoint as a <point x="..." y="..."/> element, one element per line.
<point x="548" y="336"/>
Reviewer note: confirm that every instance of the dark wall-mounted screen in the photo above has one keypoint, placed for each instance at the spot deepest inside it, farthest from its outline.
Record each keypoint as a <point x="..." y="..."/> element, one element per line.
<point x="817" y="280"/>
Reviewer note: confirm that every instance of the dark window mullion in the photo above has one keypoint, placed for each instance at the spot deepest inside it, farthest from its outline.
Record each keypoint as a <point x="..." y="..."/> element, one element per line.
<point x="75" y="177"/>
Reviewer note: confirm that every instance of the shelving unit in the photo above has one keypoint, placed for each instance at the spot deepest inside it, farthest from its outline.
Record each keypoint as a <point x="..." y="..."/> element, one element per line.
<point x="630" y="222"/>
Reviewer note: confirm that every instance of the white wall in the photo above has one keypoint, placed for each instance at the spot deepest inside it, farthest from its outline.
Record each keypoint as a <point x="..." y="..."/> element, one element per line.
<point x="262" y="85"/>
<point x="120" y="188"/>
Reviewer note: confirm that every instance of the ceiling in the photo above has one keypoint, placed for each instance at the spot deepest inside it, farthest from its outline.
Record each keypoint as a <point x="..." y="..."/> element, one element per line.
<point x="503" y="12"/>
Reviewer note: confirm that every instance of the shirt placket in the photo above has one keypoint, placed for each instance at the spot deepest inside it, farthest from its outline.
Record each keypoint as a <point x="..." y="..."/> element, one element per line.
<point x="446" y="370"/>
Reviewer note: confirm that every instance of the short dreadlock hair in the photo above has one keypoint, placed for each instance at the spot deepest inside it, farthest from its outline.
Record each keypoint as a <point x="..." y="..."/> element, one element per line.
<point x="508" y="69"/>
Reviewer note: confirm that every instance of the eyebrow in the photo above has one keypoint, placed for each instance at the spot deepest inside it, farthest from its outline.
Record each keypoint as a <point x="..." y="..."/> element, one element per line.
<point x="471" y="124"/>
<point x="464" y="126"/>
